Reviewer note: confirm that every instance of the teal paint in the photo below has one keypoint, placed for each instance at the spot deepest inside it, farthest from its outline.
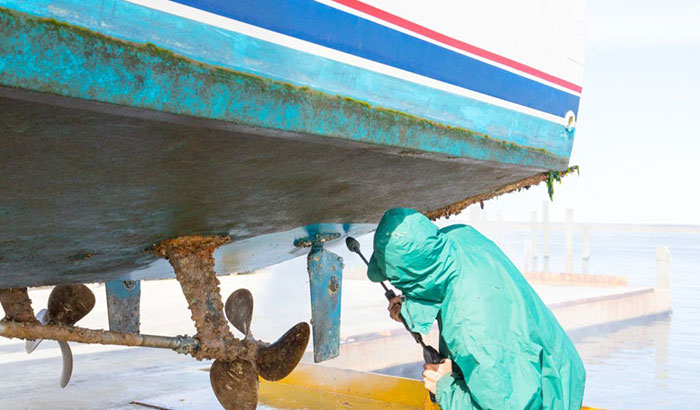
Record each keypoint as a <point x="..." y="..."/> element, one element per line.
<point x="123" y="289"/>
<point x="124" y="305"/>
<point x="47" y="56"/>
<point x="247" y="255"/>
<point x="215" y="46"/>
<point x="325" y="280"/>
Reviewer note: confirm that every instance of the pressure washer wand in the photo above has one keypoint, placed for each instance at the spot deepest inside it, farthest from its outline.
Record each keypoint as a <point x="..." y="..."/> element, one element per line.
<point x="354" y="246"/>
<point x="430" y="355"/>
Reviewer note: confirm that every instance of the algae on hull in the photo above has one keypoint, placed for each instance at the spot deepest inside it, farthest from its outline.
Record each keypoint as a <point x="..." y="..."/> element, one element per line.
<point x="414" y="132"/>
<point x="557" y="176"/>
<point x="526" y="184"/>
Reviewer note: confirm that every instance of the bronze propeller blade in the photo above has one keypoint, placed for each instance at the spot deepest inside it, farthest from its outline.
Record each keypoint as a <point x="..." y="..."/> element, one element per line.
<point x="277" y="360"/>
<point x="67" y="358"/>
<point x="31" y="345"/>
<point x="69" y="303"/>
<point x="239" y="310"/>
<point x="235" y="384"/>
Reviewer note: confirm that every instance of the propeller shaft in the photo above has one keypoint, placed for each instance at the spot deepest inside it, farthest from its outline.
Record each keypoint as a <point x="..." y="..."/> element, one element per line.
<point x="181" y="344"/>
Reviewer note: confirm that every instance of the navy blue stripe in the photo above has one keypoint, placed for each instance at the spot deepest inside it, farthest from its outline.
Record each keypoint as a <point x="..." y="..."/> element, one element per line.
<point x="333" y="28"/>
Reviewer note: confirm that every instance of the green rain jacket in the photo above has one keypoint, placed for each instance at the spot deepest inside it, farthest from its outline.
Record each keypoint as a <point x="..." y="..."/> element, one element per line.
<point x="507" y="348"/>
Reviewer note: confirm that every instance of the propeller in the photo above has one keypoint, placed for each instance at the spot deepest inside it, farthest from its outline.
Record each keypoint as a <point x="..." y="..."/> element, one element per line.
<point x="67" y="305"/>
<point x="235" y="383"/>
<point x="239" y="310"/>
<point x="277" y="360"/>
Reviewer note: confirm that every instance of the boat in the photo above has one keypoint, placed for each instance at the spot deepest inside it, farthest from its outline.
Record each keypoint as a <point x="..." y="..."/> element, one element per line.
<point x="136" y="131"/>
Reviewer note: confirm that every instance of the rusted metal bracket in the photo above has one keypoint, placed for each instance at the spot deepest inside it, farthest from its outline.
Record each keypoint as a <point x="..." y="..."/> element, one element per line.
<point x="123" y="305"/>
<point x="17" y="305"/>
<point x="192" y="259"/>
<point x="325" y="280"/>
<point x="239" y="363"/>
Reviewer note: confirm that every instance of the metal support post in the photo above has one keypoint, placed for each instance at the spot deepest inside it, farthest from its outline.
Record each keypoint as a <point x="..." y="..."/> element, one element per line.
<point x="123" y="305"/>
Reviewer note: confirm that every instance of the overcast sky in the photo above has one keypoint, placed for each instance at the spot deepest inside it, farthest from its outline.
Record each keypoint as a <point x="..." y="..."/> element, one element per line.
<point x="638" y="138"/>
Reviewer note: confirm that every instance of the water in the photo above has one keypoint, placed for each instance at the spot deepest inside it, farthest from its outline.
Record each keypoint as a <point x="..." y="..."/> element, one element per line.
<point x="649" y="364"/>
<point x="652" y="365"/>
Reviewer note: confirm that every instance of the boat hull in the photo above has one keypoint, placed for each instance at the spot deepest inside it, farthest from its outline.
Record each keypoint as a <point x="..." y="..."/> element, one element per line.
<point x="117" y="136"/>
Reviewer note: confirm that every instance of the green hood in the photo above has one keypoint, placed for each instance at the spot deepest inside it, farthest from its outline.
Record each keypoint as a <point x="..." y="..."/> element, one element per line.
<point x="418" y="259"/>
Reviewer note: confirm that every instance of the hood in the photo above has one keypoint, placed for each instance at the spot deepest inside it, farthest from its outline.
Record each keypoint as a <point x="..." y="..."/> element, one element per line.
<point x="418" y="259"/>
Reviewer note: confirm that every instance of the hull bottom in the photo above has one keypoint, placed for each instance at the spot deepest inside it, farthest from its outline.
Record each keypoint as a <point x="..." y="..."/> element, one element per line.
<point x="87" y="187"/>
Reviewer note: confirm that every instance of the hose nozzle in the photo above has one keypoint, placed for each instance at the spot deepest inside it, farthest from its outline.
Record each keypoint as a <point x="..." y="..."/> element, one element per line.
<point x="352" y="244"/>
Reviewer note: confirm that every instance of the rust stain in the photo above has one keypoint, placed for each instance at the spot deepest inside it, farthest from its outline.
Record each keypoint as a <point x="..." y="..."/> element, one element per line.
<point x="458" y="207"/>
<point x="68" y="333"/>
<point x="191" y="258"/>
<point x="17" y="305"/>
<point x="81" y="256"/>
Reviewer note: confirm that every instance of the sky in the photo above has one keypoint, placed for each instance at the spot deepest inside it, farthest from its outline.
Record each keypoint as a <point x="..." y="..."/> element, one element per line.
<point x="637" y="139"/>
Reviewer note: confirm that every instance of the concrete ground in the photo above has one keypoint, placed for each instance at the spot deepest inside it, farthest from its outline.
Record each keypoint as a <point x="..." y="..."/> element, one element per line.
<point x="109" y="377"/>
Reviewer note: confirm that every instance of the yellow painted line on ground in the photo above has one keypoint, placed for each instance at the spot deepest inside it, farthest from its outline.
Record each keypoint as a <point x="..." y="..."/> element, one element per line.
<point x="312" y="386"/>
<point x="358" y="388"/>
<point x="287" y="396"/>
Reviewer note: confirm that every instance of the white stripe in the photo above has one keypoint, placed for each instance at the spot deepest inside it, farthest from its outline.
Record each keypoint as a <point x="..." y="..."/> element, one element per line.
<point x="544" y="34"/>
<point x="350" y="10"/>
<point x="308" y="47"/>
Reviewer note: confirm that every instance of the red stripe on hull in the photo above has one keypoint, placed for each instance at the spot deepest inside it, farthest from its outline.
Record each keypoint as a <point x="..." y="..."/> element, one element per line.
<point x="453" y="42"/>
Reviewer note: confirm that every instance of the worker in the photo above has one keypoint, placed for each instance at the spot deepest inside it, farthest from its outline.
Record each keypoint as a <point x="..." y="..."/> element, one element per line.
<point x="502" y="347"/>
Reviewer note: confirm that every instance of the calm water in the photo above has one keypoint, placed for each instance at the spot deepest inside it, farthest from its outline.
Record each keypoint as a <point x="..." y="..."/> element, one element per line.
<point x="654" y="364"/>
<point x="651" y="364"/>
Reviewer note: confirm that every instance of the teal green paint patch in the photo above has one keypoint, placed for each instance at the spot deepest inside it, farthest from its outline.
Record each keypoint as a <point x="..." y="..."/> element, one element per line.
<point x="52" y="57"/>
<point x="203" y="43"/>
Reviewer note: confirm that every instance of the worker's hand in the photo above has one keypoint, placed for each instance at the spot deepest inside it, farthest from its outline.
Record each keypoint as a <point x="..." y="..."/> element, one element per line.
<point x="433" y="373"/>
<point x="395" y="308"/>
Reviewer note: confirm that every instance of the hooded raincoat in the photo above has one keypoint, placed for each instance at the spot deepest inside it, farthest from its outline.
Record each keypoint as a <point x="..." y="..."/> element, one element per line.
<point x="507" y="348"/>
